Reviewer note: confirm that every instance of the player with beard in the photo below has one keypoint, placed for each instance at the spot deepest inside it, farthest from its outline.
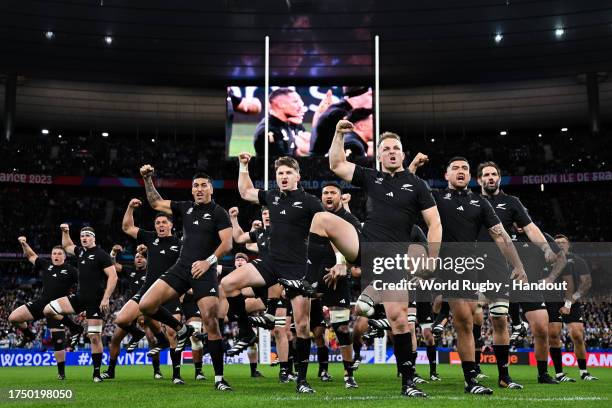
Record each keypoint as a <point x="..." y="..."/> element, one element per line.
<point x="569" y="310"/>
<point x="286" y="133"/>
<point x="97" y="280"/>
<point x="511" y="212"/>
<point x="207" y="236"/>
<point x="58" y="278"/>
<point x="291" y="211"/>
<point x="463" y="216"/>
<point x="395" y="200"/>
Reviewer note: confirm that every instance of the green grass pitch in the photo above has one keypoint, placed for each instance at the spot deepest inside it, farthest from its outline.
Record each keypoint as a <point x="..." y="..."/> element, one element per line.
<point x="135" y="387"/>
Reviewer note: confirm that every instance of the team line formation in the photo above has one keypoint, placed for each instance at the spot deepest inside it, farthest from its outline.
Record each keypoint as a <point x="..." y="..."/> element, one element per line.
<point x="307" y="246"/>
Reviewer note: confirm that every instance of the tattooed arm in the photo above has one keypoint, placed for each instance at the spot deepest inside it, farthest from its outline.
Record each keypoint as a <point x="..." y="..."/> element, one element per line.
<point x="155" y="200"/>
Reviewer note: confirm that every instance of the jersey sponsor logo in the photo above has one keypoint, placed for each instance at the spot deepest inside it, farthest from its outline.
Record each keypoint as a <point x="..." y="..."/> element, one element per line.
<point x="407" y="187"/>
<point x="389" y="194"/>
<point x="196" y="222"/>
<point x="501" y="206"/>
<point x="276" y="198"/>
<point x="212" y="290"/>
<point x="475" y="203"/>
<point x="342" y="302"/>
<point x="379" y="180"/>
<point x="297" y="204"/>
<point x="283" y="212"/>
<point x="91" y="257"/>
<point x="50" y="267"/>
<point x="64" y="272"/>
<point x="460" y="208"/>
<point x="285" y="135"/>
<point x="156" y="242"/>
<point x="174" y="248"/>
<point x="206" y="216"/>
<point x="189" y="211"/>
<point x="163" y="251"/>
<point x="447" y="196"/>
<point x="54" y="275"/>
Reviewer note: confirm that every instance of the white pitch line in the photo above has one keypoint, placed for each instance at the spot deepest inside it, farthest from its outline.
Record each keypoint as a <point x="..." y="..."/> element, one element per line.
<point x="466" y="398"/>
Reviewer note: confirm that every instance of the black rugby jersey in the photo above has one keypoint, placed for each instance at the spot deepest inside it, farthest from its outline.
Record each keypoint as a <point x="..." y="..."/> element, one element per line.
<point x="394" y="203"/>
<point x="91" y="264"/>
<point x="261" y="236"/>
<point x="509" y="210"/>
<point x="290" y="218"/>
<point x="463" y="214"/>
<point x="134" y="279"/>
<point x="56" y="280"/>
<point x="532" y="256"/>
<point x="281" y="136"/>
<point x="162" y="253"/>
<point x="201" y="226"/>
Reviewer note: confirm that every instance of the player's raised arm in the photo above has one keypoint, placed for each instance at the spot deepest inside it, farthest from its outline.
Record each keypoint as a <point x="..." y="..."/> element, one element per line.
<point x="240" y="237"/>
<point x="154" y="198"/>
<point x="337" y="156"/>
<point x="127" y="225"/>
<point x="66" y="240"/>
<point x="248" y="192"/>
<point x="28" y="252"/>
<point x="116" y="250"/>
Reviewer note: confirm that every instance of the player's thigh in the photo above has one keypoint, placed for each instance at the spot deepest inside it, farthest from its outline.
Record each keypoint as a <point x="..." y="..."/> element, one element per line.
<point x="64" y="305"/>
<point x="341" y="233"/>
<point x="248" y="292"/>
<point x="21" y="314"/>
<point x="159" y="293"/>
<point x="128" y="313"/>
<point x="245" y="276"/>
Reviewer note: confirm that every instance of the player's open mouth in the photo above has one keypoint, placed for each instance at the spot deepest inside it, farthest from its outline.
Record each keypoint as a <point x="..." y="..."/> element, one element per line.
<point x="461" y="177"/>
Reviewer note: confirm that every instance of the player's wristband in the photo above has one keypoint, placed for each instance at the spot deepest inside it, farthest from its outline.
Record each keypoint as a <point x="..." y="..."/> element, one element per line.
<point x="212" y="259"/>
<point x="576" y="296"/>
<point x="568" y="304"/>
<point x="340" y="260"/>
<point x="244" y="168"/>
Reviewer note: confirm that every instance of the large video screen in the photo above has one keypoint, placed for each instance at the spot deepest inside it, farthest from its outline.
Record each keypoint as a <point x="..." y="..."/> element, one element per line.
<point x="302" y="120"/>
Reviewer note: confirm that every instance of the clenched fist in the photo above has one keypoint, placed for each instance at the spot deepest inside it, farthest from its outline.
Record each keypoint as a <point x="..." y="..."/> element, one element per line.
<point x="244" y="158"/>
<point x="346" y="198"/>
<point x="64" y="227"/>
<point x="141" y="249"/>
<point x="117" y="249"/>
<point x="233" y="212"/>
<point x="344" y="126"/>
<point x="22" y="240"/>
<point x="146" y="171"/>
<point x="135" y="203"/>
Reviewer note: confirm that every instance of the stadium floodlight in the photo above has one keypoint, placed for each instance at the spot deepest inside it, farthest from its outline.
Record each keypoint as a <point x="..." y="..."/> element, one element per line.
<point x="539" y="135"/>
<point x="503" y="133"/>
<point x="433" y="140"/>
<point x="49" y="35"/>
<point x="559" y="32"/>
<point x="564" y="129"/>
<point x="104" y="134"/>
<point x="498" y="37"/>
<point x="45" y="131"/>
<point x="108" y="40"/>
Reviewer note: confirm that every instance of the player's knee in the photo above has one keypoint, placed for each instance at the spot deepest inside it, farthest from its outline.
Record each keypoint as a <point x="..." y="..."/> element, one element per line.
<point x="147" y="307"/>
<point x="499" y="310"/>
<point x="576" y="335"/>
<point x="59" y="340"/>
<point x="302" y="328"/>
<point x="13" y="318"/>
